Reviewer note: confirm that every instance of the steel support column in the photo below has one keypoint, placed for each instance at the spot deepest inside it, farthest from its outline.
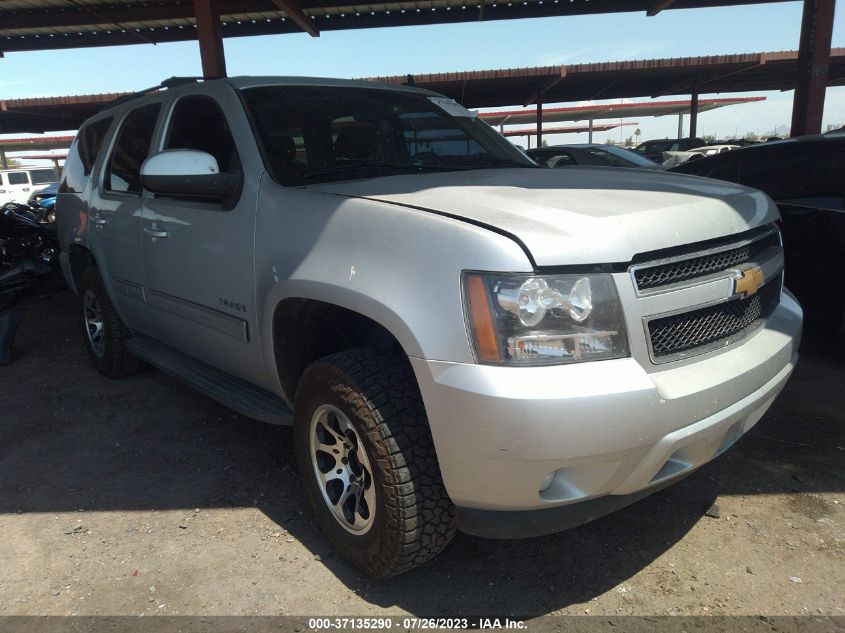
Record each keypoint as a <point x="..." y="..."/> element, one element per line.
<point x="590" y="132"/>
<point x="539" y="124"/>
<point x="813" y="61"/>
<point x="693" y="115"/>
<point x="4" y="163"/>
<point x="680" y="125"/>
<point x="210" y="34"/>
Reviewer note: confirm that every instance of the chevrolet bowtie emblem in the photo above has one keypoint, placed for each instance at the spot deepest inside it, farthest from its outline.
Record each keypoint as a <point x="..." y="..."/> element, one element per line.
<point x="747" y="282"/>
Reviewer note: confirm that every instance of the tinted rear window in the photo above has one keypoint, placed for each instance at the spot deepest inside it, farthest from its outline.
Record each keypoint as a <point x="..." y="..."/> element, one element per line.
<point x="42" y="176"/>
<point x="131" y="150"/>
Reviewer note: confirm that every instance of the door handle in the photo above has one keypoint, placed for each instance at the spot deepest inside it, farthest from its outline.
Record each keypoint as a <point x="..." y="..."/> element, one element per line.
<point x="154" y="230"/>
<point x="25" y="189"/>
<point x="98" y="221"/>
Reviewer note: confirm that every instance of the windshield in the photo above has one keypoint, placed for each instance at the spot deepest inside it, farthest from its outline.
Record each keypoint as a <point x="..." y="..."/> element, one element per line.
<point x="627" y="156"/>
<point x="654" y="147"/>
<point x="315" y="133"/>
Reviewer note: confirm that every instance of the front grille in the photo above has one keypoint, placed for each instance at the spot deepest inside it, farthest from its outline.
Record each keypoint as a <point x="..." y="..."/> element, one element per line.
<point x="712" y="325"/>
<point x="677" y="271"/>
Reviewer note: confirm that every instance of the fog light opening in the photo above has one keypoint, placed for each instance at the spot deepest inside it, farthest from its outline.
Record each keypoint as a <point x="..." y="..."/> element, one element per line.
<point x="547" y="481"/>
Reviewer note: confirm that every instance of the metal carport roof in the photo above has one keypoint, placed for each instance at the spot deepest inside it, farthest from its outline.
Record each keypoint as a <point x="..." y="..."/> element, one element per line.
<point x="748" y="72"/>
<point x="610" y="111"/>
<point x="53" y="24"/>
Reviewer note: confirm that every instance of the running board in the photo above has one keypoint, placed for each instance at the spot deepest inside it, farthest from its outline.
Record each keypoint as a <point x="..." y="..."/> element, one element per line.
<point x="231" y="391"/>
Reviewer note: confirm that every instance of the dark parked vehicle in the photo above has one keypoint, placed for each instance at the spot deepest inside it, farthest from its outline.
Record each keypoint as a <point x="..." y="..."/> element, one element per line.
<point x="805" y="176"/>
<point x="595" y="154"/>
<point x="28" y="257"/>
<point x="653" y="150"/>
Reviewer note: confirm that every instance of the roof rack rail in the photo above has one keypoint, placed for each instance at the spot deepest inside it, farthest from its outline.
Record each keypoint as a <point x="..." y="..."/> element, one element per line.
<point x="172" y="82"/>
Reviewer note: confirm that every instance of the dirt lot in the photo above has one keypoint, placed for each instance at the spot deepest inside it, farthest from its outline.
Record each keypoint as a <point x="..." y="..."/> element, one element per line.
<point x="140" y="496"/>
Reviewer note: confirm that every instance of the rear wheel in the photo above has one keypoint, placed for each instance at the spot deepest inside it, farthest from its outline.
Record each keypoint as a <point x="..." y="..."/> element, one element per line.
<point x="367" y="460"/>
<point x="103" y="332"/>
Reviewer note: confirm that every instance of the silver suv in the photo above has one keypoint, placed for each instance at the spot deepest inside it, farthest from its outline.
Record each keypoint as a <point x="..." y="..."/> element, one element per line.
<point x="460" y="338"/>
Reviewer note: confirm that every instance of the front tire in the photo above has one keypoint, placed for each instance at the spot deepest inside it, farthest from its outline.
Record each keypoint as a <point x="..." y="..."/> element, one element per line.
<point x="102" y="330"/>
<point x="367" y="460"/>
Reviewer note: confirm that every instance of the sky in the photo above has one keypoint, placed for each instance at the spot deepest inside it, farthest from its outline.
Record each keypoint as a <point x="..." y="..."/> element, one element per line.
<point x="459" y="47"/>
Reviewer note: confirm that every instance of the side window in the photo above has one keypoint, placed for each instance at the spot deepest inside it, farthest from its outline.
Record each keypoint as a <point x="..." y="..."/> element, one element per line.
<point x="18" y="178"/>
<point x="561" y="160"/>
<point x="133" y="145"/>
<point x="606" y="157"/>
<point x="42" y="176"/>
<point x="82" y="155"/>
<point x="199" y="123"/>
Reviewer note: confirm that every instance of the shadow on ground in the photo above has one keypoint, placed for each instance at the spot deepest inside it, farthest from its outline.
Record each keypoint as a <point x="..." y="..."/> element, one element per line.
<point x="71" y="439"/>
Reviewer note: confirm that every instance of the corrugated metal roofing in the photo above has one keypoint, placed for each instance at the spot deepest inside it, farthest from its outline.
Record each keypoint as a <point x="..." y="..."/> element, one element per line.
<point x="514" y="86"/>
<point x="50" y="24"/>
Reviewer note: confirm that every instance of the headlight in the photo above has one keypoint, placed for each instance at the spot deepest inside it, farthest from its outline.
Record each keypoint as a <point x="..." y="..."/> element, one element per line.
<point x="524" y="319"/>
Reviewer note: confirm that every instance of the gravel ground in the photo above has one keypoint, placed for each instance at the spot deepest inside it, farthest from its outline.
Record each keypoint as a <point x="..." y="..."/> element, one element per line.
<point x="140" y="496"/>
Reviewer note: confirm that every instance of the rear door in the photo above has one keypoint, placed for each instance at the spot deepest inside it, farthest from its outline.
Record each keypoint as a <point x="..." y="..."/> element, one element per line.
<point x="199" y="255"/>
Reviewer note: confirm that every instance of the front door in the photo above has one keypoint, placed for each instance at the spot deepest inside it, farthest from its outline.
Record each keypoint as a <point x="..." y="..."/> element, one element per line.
<point x="198" y="255"/>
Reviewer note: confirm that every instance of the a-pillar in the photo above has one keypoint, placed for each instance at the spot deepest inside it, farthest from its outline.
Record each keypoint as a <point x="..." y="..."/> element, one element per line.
<point x="210" y="34"/>
<point x="813" y="61"/>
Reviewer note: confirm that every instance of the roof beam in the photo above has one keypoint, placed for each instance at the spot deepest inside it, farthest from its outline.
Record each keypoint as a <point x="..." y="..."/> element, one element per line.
<point x="658" y="6"/>
<point x="687" y="86"/>
<point x="539" y="92"/>
<point x="295" y="13"/>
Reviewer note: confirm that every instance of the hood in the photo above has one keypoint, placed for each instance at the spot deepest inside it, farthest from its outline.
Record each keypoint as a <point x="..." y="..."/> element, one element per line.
<point x="578" y="215"/>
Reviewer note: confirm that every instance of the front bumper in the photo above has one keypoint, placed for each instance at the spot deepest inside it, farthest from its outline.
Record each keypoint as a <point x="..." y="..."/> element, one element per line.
<point x="611" y="431"/>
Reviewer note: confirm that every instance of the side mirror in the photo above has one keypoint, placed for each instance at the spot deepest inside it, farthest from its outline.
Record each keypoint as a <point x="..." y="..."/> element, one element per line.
<point x="188" y="173"/>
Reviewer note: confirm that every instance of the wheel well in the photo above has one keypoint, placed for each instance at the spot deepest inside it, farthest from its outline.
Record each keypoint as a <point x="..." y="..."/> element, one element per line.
<point x="79" y="259"/>
<point x="305" y="330"/>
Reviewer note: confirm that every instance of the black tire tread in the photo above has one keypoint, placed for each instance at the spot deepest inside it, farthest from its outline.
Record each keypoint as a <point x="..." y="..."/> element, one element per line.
<point x="117" y="362"/>
<point x="383" y="392"/>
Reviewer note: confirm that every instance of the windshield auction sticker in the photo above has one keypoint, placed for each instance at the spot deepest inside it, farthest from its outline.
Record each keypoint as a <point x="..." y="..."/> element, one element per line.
<point x="450" y="106"/>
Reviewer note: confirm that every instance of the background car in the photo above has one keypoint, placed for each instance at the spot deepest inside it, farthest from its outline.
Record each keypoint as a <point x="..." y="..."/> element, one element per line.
<point x="43" y="193"/>
<point x="589" y="154"/>
<point x="17" y="183"/>
<point x="653" y="150"/>
<point x="804" y="176"/>
<point x="670" y="159"/>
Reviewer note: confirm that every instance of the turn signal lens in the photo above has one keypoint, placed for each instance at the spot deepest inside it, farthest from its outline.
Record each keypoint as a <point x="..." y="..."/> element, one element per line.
<point x="486" y="346"/>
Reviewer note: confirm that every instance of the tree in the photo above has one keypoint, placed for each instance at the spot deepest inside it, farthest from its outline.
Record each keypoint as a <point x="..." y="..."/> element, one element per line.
<point x="629" y="142"/>
<point x="708" y="138"/>
<point x="638" y="134"/>
<point x="610" y="141"/>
